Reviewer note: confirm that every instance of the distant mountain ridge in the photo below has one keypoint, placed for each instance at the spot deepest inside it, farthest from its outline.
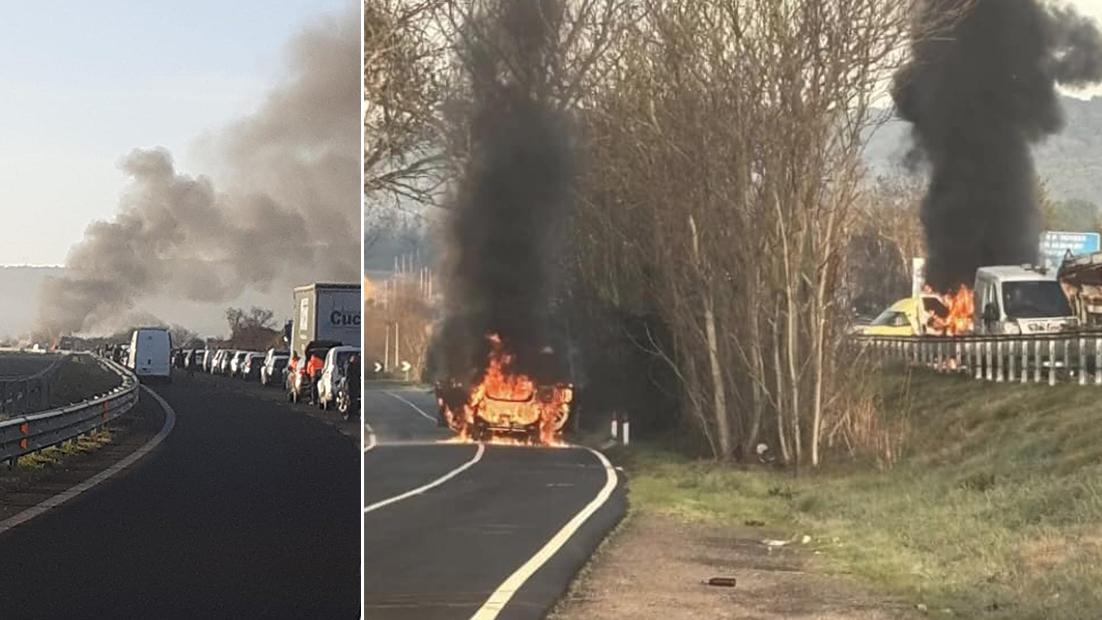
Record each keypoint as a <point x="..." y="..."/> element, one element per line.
<point x="1070" y="163"/>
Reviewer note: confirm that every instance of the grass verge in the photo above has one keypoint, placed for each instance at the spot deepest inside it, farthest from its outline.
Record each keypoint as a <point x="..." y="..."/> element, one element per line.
<point x="994" y="512"/>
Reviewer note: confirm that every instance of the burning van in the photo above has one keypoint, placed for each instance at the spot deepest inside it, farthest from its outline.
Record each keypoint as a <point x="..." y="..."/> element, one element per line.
<point x="504" y="403"/>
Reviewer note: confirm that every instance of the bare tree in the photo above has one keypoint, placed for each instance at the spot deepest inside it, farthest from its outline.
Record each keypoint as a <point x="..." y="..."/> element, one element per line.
<point x="404" y="72"/>
<point x="725" y="176"/>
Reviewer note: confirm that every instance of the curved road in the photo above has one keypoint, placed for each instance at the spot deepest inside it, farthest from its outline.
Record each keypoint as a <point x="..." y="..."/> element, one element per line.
<point x="244" y="511"/>
<point x="469" y="531"/>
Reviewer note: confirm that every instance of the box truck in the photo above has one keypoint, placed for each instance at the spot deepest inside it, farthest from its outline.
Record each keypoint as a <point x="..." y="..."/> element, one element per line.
<point x="329" y="312"/>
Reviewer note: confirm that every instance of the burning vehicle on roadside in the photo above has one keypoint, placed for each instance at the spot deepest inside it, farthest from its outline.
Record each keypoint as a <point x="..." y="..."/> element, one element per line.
<point x="499" y="402"/>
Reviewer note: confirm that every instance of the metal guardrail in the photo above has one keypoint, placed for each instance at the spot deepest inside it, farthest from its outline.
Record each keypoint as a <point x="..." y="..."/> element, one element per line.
<point x="1074" y="357"/>
<point x="27" y="393"/>
<point x="33" y="432"/>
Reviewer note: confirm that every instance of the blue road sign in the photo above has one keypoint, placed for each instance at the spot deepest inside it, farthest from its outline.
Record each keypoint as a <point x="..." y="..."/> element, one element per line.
<point x="1055" y="245"/>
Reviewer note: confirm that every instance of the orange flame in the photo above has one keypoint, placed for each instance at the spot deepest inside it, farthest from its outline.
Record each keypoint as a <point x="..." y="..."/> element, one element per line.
<point x="508" y="407"/>
<point x="960" y="307"/>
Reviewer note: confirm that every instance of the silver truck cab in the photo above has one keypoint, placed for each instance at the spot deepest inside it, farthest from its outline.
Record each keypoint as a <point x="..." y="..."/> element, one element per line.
<point x="1020" y="299"/>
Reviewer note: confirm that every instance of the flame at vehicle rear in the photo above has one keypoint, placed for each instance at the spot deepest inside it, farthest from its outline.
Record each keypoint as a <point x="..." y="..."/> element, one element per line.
<point x="505" y="406"/>
<point x="957" y="318"/>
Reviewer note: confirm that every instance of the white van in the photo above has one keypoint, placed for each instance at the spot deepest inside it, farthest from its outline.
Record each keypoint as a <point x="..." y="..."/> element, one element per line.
<point x="150" y="353"/>
<point x="1024" y="299"/>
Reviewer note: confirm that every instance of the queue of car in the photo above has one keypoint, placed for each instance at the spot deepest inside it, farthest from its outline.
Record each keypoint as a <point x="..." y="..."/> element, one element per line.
<point x="272" y="368"/>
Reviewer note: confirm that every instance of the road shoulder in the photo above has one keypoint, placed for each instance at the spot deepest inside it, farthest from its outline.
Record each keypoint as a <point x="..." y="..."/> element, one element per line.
<point x="655" y="565"/>
<point x="56" y="470"/>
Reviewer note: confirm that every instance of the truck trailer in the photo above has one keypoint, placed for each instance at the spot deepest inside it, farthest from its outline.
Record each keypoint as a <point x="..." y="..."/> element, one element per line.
<point x="325" y="312"/>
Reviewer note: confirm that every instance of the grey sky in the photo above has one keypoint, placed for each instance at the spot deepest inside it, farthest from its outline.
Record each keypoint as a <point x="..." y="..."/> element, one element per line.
<point x="83" y="83"/>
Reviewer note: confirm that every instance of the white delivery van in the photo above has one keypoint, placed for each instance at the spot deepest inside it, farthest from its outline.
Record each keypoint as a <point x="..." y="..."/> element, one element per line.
<point x="1023" y="299"/>
<point x="150" y="353"/>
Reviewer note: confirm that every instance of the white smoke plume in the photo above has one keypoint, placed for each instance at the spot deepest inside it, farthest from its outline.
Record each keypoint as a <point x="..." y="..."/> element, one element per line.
<point x="287" y="215"/>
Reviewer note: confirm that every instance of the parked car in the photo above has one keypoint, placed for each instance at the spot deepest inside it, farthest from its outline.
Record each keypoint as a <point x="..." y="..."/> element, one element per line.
<point x="271" y="373"/>
<point x="224" y="366"/>
<point x="273" y="352"/>
<point x="237" y="362"/>
<point x="348" y="396"/>
<point x="250" y="367"/>
<point x="335" y="360"/>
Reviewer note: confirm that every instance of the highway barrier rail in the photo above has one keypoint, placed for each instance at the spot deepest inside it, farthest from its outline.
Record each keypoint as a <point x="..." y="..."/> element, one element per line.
<point x="25" y="393"/>
<point x="1072" y="357"/>
<point x="35" y="431"/>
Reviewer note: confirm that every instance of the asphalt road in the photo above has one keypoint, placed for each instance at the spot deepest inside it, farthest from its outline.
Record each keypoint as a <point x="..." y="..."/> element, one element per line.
<point x="444" y="552"/>
<point x="17" y="365"/>
<point x="245" y="511"/>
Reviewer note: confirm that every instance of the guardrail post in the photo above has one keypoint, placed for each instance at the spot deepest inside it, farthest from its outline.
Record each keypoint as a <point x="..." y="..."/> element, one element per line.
<point x="1025" y="361"/>
<point x="1082" y="370"/>
<point x="999" y="361"/>
<point x="1097" y="360"/>
<point x="1051" y="361"/>
<point x="1037" y="361"/>
<point x="989" y="367"/>
<point x="1067" y="341"/>
<point x="1010" y="358"/>
<point x="978" y="358"/>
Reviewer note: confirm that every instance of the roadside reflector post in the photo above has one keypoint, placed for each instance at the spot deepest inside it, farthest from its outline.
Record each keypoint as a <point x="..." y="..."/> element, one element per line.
<point x="1010" y="357"/>
<point x="626" y="430"/>
<point x="999" y="361"/>
<point x="1082" y="369"/>
<point x="968" y="363"/>
<point x="1051" y="361"/>
<point x="614" y="425"/>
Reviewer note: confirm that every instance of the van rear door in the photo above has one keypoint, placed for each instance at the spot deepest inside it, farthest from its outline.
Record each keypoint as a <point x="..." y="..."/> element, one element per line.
<point x="151" y="352"/>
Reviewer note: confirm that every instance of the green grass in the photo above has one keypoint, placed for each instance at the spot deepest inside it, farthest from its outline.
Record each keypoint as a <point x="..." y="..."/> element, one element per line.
<point x="55" y="455"/>
<point x="995" y="510"/>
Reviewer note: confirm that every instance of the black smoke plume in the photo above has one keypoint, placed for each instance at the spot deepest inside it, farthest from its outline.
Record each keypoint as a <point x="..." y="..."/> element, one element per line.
<point x="979" y="93"/>
<point x="289" y="213"/>
<point x="512" y="195"/>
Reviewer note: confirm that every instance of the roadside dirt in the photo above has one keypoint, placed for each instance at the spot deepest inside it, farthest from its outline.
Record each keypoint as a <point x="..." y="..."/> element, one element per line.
<point x="654" y="566"/>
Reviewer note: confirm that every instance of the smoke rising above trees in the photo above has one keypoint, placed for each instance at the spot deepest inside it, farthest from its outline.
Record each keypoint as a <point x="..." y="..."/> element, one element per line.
<point x="978" y="97"/>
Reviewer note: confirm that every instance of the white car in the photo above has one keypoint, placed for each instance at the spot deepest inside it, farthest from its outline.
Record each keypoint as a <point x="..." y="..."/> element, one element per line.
<point x="236" y="363"/>
<point x="249" y="368"/>
<point x="335" y="361"/>
<point x="271" y="373"/>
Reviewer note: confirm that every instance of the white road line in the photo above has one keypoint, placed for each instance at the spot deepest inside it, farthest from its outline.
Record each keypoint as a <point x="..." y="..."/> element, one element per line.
<point x="497" y="601"/>
<point x="435" y="483"/>
<point x="415" y="407"/>
<point x="370" y="435"/>
<point x="127" y="461"/>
